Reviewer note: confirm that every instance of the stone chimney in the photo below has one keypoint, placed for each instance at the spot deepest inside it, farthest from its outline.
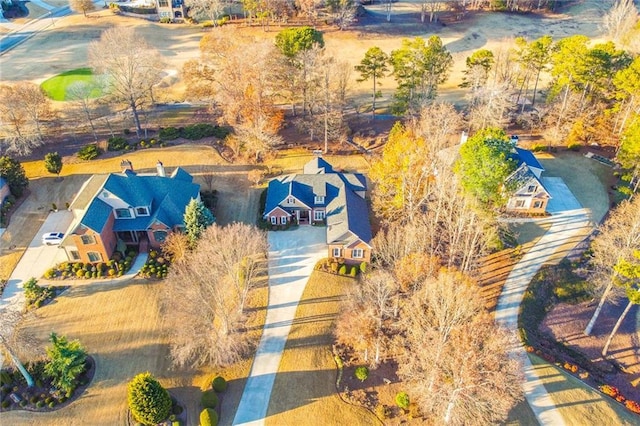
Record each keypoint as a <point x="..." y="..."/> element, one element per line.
<point x="160" y="169"/>
<point x="126" y="165"/>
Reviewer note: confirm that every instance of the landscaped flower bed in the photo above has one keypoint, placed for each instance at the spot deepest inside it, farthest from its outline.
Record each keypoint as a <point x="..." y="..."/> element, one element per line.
<point x="115" y="267"/>
<point x="339" y="267"/>
<point x="156" y="266"/>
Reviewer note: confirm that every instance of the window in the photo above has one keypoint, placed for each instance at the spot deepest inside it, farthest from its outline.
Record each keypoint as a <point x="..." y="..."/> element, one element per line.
<point x="88" y="239"/>
<point x="123" y="213"/>
<point x="163" y="3"/>
<point x="519" y="204"/>
<point x="142" y="211"/>
<point x="75" y="255"/>
<point x="531" y="188"/>
<point x="274" y="220"/>
<point x="537" y="204"/>
<point x="336" y="252"/>
<point x="94" y="256"/>
<point x="318" y="215"/>
<point x="290" y="200"/>
<point x="283" y="220"/>
<point x="160" y="236"/>
<point x="318" y="200"/>
<point x="357" y="253"/>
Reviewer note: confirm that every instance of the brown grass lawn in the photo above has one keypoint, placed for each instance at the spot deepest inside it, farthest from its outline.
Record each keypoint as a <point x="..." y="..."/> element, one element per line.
<point x="577" y="403"/>
<point x="121" y="326"/>
<point x="304" y="391"/>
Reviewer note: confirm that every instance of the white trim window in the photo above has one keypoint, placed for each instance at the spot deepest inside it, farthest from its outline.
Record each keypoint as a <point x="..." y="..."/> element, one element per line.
<point x="520" y="204"/>
<point x="274" y="220"/>
<point x="142" y="211"/>
<point x="318" y="215"/>
<point x="318" y="200"/>
<point x="283" y="220"/>
<point x="123" y="214"/>
<point x="94" y="256"/>
<point x="291" y="200"/>
<point x="336" y="252"/>
<point x="357" y="253"/>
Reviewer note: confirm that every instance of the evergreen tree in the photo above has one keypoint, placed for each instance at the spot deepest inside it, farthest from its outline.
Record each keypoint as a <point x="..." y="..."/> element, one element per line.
<point x="373" y="66"/>
<point x="53" y="163"/>
<point x="196" y="219"/>
<point x="149" y="402"/>
<point x="13" y="172"/>
<point x="66" y="362"/>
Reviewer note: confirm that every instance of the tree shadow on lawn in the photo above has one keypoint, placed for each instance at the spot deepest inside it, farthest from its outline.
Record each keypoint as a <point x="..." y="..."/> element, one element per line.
<point x="79" y="288"/>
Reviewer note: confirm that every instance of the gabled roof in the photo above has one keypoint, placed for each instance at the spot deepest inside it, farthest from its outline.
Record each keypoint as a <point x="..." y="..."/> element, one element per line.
<point x="521" y="177"/>
<point x="525" y="156"/>
<point x="317" y="166"/>
<point x="348" y="219"/>
<point x="96" y="215"/>
<point x="167" y="198"/>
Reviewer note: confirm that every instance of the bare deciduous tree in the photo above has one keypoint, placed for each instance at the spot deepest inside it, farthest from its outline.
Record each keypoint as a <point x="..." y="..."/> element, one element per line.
<point x="206" y="292"/>
<point x="83" y="6"/>
<point x="466" y="376"/>
<point x="620" y="19"/>
<point x="24" y="110"/>
<point x="81" y="94"/>
<point x="131" y="65"/>
<point x="617" y="239"/>
<point x="15" y="342"/>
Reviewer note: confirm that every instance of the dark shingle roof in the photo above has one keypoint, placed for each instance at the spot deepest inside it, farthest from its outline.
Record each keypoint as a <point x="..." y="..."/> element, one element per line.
<point x="96" y="215"/>
<point x="525" y="156"/>
<point x="520" y="177"/>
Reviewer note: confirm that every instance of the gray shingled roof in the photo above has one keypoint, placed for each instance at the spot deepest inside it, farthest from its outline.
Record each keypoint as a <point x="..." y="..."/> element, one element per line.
<point x="520" y="177"/>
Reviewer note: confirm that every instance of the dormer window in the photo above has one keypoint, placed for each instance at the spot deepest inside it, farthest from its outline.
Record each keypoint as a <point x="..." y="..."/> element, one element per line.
<point x="319" y="200"/>
<point x="123" y="213"/>
<point x="142" y="211"/>
<point x="532" y="188"/>
<point x="290" y="200"/>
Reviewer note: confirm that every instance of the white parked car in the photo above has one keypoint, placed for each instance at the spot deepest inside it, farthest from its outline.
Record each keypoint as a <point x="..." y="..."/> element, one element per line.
<point x="52" y="238"/>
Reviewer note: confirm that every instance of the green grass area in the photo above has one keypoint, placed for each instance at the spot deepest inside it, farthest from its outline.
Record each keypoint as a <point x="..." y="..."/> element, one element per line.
<point x="56" y="87"/>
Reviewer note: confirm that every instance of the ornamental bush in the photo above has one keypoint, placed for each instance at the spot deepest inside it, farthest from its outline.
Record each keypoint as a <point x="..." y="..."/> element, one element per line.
<point x="116" y="143"/>
<point x="208" y="417"/>
<point x="219" y="384"/>
<point x="149" y="402"/>
<point x="402" y="400"/>
<point x="89" y="152"/>
<point x="362" y="373"/>
<point x="632" y="406"/>
<point x="169" y="133"/>
<point x="209" y="399"/>
<point x="609" y="390"/>
<point x="342" y="270"/>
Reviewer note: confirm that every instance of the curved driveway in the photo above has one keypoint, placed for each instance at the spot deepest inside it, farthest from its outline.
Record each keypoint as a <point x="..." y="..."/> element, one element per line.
<point x="570" y="222"/>
<point x="292" y="257"/>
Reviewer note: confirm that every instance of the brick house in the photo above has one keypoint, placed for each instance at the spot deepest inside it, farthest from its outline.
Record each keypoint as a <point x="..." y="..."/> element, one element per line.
<point x="322" y="196"/>
<point x="119" y="209"/>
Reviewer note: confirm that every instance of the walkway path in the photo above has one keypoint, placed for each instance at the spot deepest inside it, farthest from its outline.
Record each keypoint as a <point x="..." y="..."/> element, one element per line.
<point x="569" y="221"/>
<point x="292" y="256"/>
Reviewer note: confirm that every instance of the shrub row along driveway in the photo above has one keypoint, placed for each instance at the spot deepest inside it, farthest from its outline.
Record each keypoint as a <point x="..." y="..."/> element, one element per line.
<point x="292" y="257"/>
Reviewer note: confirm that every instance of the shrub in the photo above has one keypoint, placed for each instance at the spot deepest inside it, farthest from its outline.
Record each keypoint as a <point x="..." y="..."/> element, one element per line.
<point x="402" y="400"/>
<point x="208" y="417"/>
<point x="219" y="384"/>
<point x="382" y="411"/>
<point x="632" y="406"/>
<point x="609" y="390"/>
<point x="538" y="148"/>
<point x="209" y="399"/>
<point x="354" y="271"/>
<point x="116" y="143"/>
<point x="169" y="133"/>
<point x="574" y="146"/>
<point x="362" y="373"/>
<point x="52" y="404"/>
<point x="204" y="130"/>
<point x="342" y="270"/>
<point x="363" y="267"/>
<point x="39" y="404"/>
<point x="165" y="20"/>
<point x="149" y="402"/>
<point x="6" y="403"/>
<point x="89" y="152"/>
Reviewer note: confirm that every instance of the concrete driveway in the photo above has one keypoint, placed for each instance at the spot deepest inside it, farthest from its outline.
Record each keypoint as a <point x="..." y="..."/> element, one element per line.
<point x="292" y="256"/>
<point x="570" y="222"/>
<point x="36" y="259"/>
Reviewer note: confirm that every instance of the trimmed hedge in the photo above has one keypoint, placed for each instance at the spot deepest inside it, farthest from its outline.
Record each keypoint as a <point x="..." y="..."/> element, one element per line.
<point x="149" y="402"/>
<point x="89" y="152"/>
<point x="209" y="399"/>
<point x="208" y="417"/>
<point x="219" y="384"/>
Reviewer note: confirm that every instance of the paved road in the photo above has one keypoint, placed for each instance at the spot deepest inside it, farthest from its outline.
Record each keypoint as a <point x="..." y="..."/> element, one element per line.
<point x="568" y="221"/>
<point x="292" y="256"/>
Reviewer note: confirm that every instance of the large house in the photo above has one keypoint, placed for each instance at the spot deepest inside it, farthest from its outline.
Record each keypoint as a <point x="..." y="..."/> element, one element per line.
<point x="172" y="9"/>
<point x="321" y="195"/>
<point x="528" y="194"/>
<point x="119" y="209"/>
